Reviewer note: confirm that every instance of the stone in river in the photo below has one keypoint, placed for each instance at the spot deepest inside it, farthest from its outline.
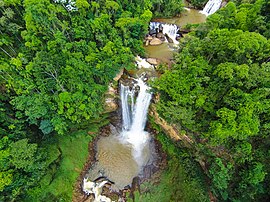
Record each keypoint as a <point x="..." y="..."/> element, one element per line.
<point x="155" y="42"/>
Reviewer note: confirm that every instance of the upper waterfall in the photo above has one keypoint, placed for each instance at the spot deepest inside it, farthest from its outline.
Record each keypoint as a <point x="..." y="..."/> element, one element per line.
<point x="211" y="7"/>
<point x="167" y="29"/>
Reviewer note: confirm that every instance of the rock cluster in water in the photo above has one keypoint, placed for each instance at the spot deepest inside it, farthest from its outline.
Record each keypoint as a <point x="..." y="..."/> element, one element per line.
<point x="162" y="32"/>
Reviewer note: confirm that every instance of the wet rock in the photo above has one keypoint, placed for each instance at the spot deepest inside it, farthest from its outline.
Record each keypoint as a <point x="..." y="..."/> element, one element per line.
<point x="152" y="32"/>
<point x="153" y="61"/>
<point x="155" y="42"/>
<point x="168" y="38"/>
<point x="147" y="42"/>
<point x="161" y="36"/>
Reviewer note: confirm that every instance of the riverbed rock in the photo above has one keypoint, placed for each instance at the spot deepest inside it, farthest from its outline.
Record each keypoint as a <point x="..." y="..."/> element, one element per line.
<point x="155" y="42"/>
<point x="153" y="61"/>
<point x="161" y="36"/>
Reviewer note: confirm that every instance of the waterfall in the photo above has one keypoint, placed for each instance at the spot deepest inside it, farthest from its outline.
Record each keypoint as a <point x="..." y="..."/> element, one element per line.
<point x="169" y="29"/>
<point x="211" y="7"/>
<point x="134" y="118"/>
<point x="126" y="95"/>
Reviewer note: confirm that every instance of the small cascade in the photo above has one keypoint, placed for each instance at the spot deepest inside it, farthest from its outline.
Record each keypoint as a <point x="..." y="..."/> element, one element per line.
<point x="134" y="119"/>
<point x="167" y="29"/>
<point x="211" y="7"/>
<point x="142" y="63"/>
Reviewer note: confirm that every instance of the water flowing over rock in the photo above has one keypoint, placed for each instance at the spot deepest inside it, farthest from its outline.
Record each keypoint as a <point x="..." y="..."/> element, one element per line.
<point x="142" y="63"/>
<point x="211" y="7"/>
<point x="95" y="188"/>
<point x="169" y="30"/>
<point x="134" y="119"/>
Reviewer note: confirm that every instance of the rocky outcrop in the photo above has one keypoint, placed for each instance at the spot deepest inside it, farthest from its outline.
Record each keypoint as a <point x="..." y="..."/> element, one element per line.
<point x="170" y="130"/>
<point x="111" y="103"/>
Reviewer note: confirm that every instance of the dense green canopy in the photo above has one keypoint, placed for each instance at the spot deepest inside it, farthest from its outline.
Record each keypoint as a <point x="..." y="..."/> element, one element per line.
<point x="219" y="90"/>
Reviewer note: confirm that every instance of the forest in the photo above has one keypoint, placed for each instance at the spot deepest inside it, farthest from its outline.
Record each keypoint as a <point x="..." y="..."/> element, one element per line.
<point x="218" y="92"/>
<point x="58" y="57"/>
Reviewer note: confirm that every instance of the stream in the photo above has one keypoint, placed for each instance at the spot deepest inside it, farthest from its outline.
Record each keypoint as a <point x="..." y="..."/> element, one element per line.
<point x="123" y="155"/>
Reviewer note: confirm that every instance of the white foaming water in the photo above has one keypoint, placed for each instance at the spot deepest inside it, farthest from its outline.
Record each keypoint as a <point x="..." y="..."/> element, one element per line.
<point x="142" y="63"/>
<point x="134" y="120"/>
<point x="169" y="29"/>
<point x="211" y="7"/>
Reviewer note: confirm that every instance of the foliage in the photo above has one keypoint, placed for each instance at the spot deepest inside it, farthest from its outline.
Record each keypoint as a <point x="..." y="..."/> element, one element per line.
<point x="55" y="66"/>
<point x="198" y="3"/>
<point x="181" y="181"/>
<point x="167" y="8"/>
<point x="219" y="89"/>
<point x="68" y="156"/>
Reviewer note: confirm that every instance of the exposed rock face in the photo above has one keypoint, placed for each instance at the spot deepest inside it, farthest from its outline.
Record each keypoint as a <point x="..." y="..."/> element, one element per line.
<point x="110" y="99"/>
<point x="155" y="42"/>
<point x="170" y="129"/>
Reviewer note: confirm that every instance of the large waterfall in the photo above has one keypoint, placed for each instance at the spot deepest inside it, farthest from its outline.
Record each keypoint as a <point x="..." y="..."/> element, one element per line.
<point x="211" y="7"/>
<point x="134" y="116"/>
<point x="167" y="29"/>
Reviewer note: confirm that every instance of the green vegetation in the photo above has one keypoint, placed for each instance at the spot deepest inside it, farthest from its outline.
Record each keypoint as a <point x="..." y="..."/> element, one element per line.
<point x="182" y="180"/>
<point x="56" y="61"/>
<point x="218" y="91"/>
<point x="167" y="8"/>
<point x="198" y="3"/>
<point x="67" y="156"/>
<point x="56" y="64"/>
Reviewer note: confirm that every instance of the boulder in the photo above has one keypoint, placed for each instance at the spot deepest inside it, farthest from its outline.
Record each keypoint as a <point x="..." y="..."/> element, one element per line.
<point x="155" y="42"/>
<point x="153" y="61"/>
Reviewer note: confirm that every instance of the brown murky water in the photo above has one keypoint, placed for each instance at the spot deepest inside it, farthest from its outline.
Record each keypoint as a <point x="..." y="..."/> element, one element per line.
<point x="116" y="162"/>
<point x="191" y="16"/>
